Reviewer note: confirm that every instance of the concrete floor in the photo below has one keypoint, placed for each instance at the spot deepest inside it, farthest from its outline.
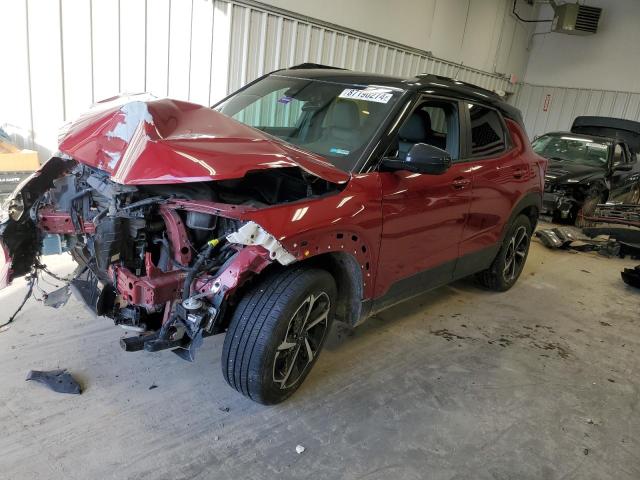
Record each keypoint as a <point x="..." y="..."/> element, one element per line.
<point x="540" y="382"/>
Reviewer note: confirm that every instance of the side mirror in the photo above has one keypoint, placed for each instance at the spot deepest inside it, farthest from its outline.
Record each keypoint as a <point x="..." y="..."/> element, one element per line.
<point x="422" y="158"/>
<point x="623" y="167"/>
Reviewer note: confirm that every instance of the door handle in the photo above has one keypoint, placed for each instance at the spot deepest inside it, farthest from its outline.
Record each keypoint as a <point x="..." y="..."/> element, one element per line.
<point x="460" y="183"/>
<point x="519" y="172"/>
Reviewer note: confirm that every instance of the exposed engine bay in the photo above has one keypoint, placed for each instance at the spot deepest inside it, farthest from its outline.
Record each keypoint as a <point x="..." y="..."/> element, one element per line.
<point x="161" y="260"/>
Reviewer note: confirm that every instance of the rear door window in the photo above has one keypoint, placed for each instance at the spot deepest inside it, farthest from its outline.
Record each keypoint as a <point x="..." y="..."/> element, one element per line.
<point x="488" y="136"/>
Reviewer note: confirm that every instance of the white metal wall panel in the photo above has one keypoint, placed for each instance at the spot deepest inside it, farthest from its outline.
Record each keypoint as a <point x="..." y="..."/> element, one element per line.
<point x="71" y="53"/>
<point x="105" y="42"/>
<point x="15" y="91"/>
<point x="565" y="104"/>
<point x="47" y="86"/>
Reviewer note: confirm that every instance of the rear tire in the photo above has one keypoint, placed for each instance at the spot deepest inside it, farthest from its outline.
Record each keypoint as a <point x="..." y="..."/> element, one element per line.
<point x="277" y="332"/>
<point x="510" y="260"/>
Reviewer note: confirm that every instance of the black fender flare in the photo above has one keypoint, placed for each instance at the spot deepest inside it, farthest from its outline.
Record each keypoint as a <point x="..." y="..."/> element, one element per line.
<point x="526" y="203"/>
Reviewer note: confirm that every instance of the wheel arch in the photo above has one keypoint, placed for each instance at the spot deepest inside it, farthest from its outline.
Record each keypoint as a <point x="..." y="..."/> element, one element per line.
<point x="343" y="267"/>
<point x="347" y="273"/>
<point x="529" y="205"/>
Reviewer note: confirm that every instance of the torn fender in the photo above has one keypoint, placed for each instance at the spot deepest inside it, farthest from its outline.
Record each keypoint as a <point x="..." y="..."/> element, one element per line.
<point x="20" y="239"/>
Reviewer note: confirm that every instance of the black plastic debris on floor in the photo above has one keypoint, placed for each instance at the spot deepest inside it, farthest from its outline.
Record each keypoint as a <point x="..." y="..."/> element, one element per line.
<point x="631" y="276"/>
<point x="606" y="241"/>
<point x="58" y="298"/>
<point x="59" y="381"/>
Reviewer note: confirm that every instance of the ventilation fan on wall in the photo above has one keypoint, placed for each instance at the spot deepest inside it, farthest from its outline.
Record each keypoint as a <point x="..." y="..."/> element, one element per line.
<point x="569" y="18"/>
<point x="575" y="19"/>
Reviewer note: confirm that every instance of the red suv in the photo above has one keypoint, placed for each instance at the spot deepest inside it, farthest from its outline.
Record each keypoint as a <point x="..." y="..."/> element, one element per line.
<point x="309" y="195"/>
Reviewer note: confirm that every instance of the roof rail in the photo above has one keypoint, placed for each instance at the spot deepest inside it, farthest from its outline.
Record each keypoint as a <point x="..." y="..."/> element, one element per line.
<point x="307" y="66"/>
<point x="458" y="82"/>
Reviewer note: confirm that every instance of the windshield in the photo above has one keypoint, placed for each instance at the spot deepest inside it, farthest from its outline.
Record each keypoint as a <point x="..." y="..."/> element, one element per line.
<point x="566" y="148"/>
<point x="336" y="121"/>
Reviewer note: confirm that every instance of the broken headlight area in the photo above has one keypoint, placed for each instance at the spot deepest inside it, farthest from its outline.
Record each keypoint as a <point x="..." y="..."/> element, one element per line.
<point x="162" y="261"/>
<point x="564" y="199"/>
<point x="559" y="202"/>
<point x="13" y="207"/>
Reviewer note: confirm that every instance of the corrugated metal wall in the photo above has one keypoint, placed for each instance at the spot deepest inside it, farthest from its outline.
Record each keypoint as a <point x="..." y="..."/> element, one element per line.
<point x="563" y="105"/>
<point x="68" y="54"/>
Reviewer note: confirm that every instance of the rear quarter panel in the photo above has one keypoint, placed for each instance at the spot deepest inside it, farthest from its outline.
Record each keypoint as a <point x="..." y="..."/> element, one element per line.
<point x="497" y="194"/>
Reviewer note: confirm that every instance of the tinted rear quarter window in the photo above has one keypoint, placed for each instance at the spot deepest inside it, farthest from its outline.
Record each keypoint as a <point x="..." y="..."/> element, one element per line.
<point x="487" y="131"/>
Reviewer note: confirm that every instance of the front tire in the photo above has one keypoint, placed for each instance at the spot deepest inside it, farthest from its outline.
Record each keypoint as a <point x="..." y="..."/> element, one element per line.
<point x="277" y="332"/>
<point x="634" y="196"/>
<point x="588" y="207"/>
<point x="510" y="260"/>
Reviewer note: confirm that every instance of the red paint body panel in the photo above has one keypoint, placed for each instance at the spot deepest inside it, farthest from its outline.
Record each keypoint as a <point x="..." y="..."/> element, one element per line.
<point x="349" y="221"/>
<point x="424" y="216"/>
<point x="53" y="221"/>
<point x="168" y="141"/>
<point x="498" y="184"/>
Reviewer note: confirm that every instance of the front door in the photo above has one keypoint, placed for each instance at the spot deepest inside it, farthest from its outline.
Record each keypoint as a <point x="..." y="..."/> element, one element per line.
<point x="423" y="215"/>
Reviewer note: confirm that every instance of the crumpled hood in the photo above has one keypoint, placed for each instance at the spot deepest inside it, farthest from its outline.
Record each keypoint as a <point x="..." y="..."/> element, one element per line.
<point x="560" y="172"/>
<point x="138" y="141"/>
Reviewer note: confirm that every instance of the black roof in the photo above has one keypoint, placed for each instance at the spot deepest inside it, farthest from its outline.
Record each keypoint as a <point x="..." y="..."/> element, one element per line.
<point x="423" y="83"/>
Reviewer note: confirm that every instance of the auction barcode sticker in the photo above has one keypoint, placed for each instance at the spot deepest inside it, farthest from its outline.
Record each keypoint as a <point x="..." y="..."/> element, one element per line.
<point x="369" y="94"/>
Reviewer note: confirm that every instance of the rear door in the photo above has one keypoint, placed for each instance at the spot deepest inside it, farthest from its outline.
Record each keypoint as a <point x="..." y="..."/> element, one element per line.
<point x="499" y="178"/>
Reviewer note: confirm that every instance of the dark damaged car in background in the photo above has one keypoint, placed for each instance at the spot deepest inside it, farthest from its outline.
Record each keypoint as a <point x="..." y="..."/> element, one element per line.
<point x="596" y="162"/>
<point x="309" y="194"/>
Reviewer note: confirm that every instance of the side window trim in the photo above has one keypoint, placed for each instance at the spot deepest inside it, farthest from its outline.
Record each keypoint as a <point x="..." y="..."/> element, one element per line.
<point x="508" y="141"/>
<point x="425" y="98"/>
<point x="626" y="154"/>
<point x="624" y="159"/>
<point x="420" y="100"/>
<point x="404" y="111"/>
<point x="465" y="133"/>
<point x="631" y="157"/>
<point x="455" y="102"/>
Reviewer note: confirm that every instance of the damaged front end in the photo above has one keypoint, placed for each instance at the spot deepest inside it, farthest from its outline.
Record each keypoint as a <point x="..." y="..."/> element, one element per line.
<point x="164" y="259"/>
<point x="161" y="264"/>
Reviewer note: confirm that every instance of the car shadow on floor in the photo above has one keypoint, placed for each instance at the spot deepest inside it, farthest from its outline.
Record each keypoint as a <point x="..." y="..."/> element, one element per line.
<point x="341" y="334"/>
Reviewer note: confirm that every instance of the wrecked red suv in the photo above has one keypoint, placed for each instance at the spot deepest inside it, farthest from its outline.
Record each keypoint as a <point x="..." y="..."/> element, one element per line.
<point x="310" y="194"/>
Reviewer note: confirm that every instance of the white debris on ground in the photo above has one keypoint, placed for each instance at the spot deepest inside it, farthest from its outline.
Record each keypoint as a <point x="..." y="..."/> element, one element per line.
<point x="299" y="449"/>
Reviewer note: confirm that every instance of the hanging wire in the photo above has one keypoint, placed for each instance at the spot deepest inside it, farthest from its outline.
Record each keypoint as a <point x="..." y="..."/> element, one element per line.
<point x="33" y="279"/>
<point x="524" y="19"/>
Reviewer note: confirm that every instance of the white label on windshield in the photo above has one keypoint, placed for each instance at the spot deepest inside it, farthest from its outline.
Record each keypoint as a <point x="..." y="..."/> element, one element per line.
<point x="369" y="94"/>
